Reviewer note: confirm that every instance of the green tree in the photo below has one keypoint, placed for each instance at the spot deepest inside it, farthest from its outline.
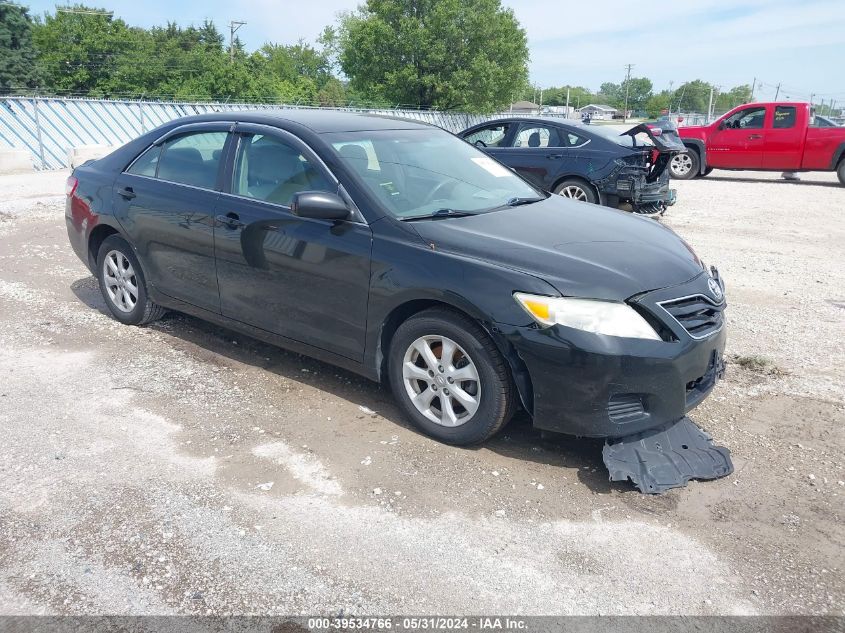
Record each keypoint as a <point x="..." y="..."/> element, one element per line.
<point x="639" y="92"/>
<point x="692" y="96"/>
<point x="77" y="52"/>
<point x="468" y="54"/>
<point x="17" y="53"/>
<point x="656" y="103"/>
<point x="733" y="97"/>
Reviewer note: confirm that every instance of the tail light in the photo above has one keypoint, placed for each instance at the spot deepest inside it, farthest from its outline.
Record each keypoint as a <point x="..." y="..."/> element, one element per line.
<point x="70" y="185"/>
<point x="654" y="154"/>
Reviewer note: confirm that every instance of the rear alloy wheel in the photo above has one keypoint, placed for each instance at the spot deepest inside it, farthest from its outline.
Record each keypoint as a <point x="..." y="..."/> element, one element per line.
<point x="576" y="190"/>
<point x="684" y="166"/>
<point x="449" y="378"/>
<point x="122" y="283"/>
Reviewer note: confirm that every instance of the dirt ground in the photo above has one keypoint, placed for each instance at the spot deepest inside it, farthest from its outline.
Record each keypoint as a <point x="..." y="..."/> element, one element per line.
<point x="181" y="468"/>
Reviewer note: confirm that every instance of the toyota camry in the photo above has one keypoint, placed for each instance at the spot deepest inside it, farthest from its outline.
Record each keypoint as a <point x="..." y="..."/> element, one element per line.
<point x="398" y="251"/>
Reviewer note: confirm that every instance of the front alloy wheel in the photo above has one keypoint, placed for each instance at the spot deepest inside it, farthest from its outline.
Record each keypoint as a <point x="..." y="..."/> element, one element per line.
<point x="441" y="380"/>
<point x="449" y="378"/>
<point x="684" y="166"/>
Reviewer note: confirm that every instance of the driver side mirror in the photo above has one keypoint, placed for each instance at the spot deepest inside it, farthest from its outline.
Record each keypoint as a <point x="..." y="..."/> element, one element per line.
<point x="319" y="205"/>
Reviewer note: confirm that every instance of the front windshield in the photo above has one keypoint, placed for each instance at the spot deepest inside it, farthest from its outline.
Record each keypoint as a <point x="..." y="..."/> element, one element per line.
<point x="425" y="171"/>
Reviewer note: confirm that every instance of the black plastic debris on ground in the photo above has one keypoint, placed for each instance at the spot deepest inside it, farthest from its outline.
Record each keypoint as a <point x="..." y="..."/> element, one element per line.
<point x="666" y="457"/>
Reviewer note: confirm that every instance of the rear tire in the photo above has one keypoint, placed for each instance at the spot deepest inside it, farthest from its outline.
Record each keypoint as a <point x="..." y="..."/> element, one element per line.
<point x="577" y="190"/>
<point x="685" y="166"/>
<point x="841" y="171"/>
<point x="122" y="283"/>
<point x="439" y="360"/>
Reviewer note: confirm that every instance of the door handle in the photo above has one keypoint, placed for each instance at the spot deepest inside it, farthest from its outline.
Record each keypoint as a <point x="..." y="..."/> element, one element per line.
<point x="126" y="192"/>
<point x="554" y="156"/>
<point x="230" y="220"/>
<point x="754" y="137"/>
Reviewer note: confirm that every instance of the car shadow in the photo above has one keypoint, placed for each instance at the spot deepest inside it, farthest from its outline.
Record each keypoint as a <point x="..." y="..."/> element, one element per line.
<point x="779" y="181"/>
<point x="519" y="440"/>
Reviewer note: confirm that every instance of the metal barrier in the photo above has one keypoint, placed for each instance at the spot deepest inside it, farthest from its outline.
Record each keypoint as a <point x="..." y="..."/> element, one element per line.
<point x="49" y="127"/>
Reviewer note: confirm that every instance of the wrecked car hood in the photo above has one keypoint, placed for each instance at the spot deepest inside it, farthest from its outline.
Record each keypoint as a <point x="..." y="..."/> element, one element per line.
<point x="581" y="249"/>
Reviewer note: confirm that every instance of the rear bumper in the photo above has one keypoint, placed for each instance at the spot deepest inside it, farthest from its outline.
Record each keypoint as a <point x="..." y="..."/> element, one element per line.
<point x="601" y="386"/>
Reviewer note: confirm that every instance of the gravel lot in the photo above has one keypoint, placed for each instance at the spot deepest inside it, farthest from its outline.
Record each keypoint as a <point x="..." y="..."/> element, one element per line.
<point x="181" y="468"/>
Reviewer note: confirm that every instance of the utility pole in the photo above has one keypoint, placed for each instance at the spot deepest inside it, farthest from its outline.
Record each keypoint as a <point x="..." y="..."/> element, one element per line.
<point x="234" y="25"/>
<point x="567" y="102"/>
<point x="710" y="104"/>
<point x="777" y="92"/>
<point x="753" y="85"/>
<point x="812" y="94"/>
<point x="627" y="86"/>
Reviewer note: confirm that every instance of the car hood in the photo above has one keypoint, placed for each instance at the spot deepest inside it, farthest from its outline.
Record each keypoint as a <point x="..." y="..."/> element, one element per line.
<point x="581" y="249"/>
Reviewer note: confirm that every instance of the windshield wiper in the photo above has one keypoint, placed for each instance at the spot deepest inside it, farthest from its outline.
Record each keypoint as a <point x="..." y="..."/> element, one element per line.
<point x="515" y="202"/>
<point x="440" y="213"/>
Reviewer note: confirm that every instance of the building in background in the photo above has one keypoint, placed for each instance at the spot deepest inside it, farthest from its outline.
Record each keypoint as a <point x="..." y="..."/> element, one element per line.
<point x="598" y="112"/>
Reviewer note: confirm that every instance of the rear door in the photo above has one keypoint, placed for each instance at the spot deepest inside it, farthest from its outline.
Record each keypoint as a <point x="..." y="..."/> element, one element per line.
<point x="738" y="141"/>
<point x="784" y="142"/>
<point x="533" y="151"/>
<point x="165" y="202"/>
<point x="304" y="279"/>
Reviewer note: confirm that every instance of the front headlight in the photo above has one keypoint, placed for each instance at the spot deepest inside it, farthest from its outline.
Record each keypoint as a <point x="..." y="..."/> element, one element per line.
<point x="590" y="315"/>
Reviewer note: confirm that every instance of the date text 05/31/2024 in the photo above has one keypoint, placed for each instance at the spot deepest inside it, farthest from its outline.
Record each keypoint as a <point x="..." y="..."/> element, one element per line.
<point x="431" y="623"/>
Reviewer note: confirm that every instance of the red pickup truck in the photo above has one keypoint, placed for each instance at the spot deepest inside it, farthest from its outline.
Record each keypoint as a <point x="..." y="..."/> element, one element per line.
<point x="761" y="136"/>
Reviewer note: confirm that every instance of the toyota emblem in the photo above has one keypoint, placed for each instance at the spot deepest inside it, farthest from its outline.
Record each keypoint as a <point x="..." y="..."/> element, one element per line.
<point x="715" y="289"/>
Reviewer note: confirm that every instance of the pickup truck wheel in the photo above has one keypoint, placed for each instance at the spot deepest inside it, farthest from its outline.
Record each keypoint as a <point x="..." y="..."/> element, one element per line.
<point x="841" y="172"/>
<point x="577" y="190"/>
<point x="684" y="166"/>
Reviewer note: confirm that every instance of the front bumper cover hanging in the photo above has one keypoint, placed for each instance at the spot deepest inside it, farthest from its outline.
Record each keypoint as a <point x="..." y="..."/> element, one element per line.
<point x="666" y="457"/>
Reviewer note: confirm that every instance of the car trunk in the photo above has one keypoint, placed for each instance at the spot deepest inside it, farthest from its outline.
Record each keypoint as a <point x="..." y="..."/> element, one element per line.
<point x="654" y="158"/>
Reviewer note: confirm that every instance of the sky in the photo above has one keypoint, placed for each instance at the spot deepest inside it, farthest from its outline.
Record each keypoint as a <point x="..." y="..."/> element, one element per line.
<point x="799" y="44"/>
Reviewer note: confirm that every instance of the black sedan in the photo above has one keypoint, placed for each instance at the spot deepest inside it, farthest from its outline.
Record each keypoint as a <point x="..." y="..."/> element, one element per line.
<point x="398" y="251"/>
<point x="591" y="163"/>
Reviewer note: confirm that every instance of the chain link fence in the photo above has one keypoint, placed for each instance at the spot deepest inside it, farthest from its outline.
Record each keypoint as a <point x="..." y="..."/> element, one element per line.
<point x="49" y="127"/>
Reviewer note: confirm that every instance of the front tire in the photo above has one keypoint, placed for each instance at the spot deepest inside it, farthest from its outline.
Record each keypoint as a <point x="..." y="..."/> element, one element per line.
<point x="449" y="378"/>
<point x="122" y="283"/>
<point x="685" y="166"/>
<point x="576" y="190"/>
<point x="841" y="171"/>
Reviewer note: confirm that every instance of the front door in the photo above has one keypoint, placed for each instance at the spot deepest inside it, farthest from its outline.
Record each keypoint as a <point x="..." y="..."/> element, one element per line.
<point x="738" y="142"/>
<point x="304" y="279"/>
<point x="165" y="202"/>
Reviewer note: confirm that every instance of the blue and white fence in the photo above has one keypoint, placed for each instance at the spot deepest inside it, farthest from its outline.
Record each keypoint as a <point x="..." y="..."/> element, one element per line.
<point x="49" y="127"/>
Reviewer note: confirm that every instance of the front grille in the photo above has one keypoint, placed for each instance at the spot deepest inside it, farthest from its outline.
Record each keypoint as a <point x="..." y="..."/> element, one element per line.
<point x="625" y="407"/>
<point x="697" y="314"/>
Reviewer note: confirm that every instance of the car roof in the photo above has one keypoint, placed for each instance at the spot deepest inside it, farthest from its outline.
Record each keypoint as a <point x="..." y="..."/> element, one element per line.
<point x="318" y="121"/>
<point x="541" y="119"/>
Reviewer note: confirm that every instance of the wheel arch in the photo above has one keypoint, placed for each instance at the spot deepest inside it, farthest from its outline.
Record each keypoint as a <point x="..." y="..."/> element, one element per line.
<point x="838" y="156"/>
<point x="96" y="238"/>
<point x="404" y="311"/>
<point x="696" y="145"/>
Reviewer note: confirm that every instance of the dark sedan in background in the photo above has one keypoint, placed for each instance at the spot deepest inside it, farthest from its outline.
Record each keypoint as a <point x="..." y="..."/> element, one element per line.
<point x="601" y="164"/>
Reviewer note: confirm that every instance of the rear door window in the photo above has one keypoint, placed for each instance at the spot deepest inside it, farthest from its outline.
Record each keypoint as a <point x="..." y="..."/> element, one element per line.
<point x="192" y="159"/>
<point x="532" y="135"/>
<point x="784" y="117"/>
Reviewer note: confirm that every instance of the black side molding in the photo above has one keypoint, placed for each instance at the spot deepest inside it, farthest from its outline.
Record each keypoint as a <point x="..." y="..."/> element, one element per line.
<point x="666" y="457"/>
